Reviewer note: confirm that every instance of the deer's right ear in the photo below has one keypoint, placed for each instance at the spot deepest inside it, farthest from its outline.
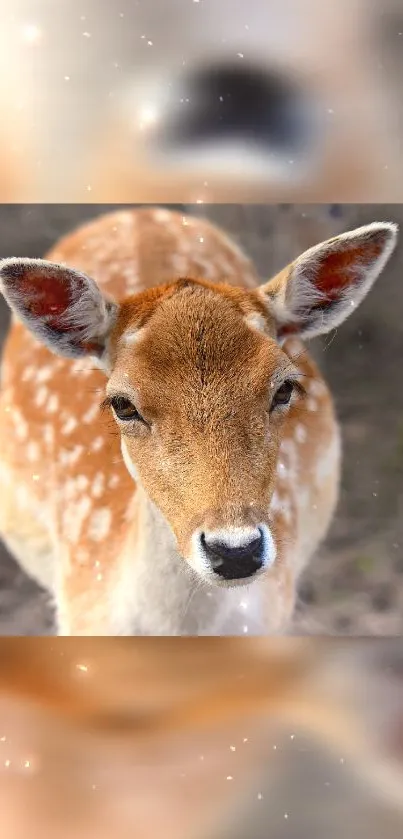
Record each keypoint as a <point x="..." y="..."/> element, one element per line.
<point x="63" y="308"/>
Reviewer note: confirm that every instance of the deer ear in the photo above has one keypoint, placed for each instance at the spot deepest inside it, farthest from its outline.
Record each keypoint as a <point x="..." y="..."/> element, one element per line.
<point x="63" y="308"/>
<point x="321" y="288"/>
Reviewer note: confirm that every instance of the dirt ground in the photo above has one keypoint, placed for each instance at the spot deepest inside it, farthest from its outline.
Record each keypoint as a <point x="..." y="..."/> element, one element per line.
<point x="354" y="585"/>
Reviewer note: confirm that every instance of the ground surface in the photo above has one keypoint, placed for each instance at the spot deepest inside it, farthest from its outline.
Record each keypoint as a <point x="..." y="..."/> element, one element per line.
<point x="355" y="583"/>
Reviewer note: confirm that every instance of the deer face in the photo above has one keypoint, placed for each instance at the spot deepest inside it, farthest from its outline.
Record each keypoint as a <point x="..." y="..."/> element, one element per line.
<point x="200" y="390"/>
<point x="199" y="384"/>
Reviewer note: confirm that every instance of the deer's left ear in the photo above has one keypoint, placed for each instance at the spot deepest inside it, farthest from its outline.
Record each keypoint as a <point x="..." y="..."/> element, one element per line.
<point x="321" y="288"/>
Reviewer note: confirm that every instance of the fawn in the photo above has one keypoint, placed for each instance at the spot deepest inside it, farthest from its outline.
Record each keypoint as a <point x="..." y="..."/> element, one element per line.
<point x="154" y="738"/>
<point x="230" y="444"/>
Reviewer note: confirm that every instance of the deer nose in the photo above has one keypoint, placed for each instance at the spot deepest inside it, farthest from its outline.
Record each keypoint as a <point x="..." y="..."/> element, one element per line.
<point x="265" y="108"/>
<point x="234" y="555"/>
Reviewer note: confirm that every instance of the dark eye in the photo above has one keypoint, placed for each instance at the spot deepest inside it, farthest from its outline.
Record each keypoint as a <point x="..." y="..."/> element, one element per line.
<point x="124" y="409"/>
<point x="283" y="395"/>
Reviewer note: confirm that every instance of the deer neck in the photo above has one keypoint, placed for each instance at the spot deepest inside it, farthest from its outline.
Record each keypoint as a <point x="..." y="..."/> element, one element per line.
<point x="157" y="593"/>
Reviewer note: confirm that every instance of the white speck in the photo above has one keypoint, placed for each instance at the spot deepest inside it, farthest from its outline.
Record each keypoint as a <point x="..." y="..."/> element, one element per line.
<point x="292" y="736"/>
<point x="245" y="740"/>
<point x="286" y="815"/>
<point x="240" y="54"/>
<point x="7" y="763"/>
<point x="274" y="747"/>
<point x="35" y="477"/>
<point x="87" y="34"/>
<point x="66" y="78"/>
<point x="243" y="604"/>
<point x="260" y="796"/>
<point x="31" y="33"/>
<point x="100" y="577"/>
<point x="27" y="764"/>
<point x="232" y="748"/>
<point x="342" y="760"/>
<point x="312" y="405"/>
<point x="230" y="778"/>
<point x="97" y="444"/>
<point x="150" y="43"/>
<point x="245" y="630"/>
<point x="82" y="667"/>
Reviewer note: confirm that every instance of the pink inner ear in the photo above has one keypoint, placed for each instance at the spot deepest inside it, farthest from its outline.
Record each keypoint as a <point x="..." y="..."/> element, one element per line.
<point x="46" y="295"/>
<point x="342" y="269"/>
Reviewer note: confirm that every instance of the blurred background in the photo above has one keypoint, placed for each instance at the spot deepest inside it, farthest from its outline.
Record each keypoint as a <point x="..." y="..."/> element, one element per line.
<point x="102" y="737"/>
<point x="354" y="585"/>
<point x="201" y="100"/>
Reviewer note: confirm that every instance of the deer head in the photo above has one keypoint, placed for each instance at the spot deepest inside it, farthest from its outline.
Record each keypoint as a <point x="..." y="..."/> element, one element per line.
<point x="200" y="383"/>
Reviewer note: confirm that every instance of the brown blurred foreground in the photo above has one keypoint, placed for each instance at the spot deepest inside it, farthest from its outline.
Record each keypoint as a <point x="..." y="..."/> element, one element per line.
<point x="200" y="738"/>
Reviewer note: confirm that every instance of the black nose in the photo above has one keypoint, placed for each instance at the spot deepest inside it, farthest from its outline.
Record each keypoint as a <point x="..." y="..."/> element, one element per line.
<point x="231" y="563"/>
<point x="262" y="107"/>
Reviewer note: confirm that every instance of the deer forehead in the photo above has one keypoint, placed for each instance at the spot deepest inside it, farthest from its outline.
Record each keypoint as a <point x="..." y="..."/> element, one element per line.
<point x="197" y="334"/>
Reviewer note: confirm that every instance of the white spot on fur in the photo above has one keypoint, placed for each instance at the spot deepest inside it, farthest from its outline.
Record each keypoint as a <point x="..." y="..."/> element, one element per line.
<point x="300" y="433"/>
<point x="81" y="367"/>
<point x="113" y="481"/>
<point x="69" y="426"/>
<point x="282" y="470"/>
<point x="312" y="405"/>
<point x="33" y="451"/>
<point x="257" y="322"/>
<point x="100" y="524"/>
<point x="21" y="426"/>
<point x="98" y="485"/>
<point x="44" y="374"/>
<point x="82" y="482"/>
<point x="68" y="457"/>
<point x="97" y="444"/>
<point x="29" y="373"/>
<point x="91" y="413"/>
<point x="73" y="518"/>
<point x="41" y="396"/>
<point x="316" y="388"/>
<point x="131" y="337"/>
<point x="49" y="435"/>
<point x="53" y="404"/>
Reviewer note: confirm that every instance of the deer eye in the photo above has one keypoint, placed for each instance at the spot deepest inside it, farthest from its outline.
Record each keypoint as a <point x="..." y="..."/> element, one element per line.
<point x="124" y="409"/>
<point x="283" y="395"/>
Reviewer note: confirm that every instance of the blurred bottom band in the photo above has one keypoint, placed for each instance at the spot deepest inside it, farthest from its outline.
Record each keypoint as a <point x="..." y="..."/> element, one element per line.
<point x="200" y="737"/>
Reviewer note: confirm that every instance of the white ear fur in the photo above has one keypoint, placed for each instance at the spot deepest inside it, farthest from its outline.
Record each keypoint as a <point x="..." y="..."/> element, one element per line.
<point x="62" y="307"/>
<point x="318" y="291"/>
